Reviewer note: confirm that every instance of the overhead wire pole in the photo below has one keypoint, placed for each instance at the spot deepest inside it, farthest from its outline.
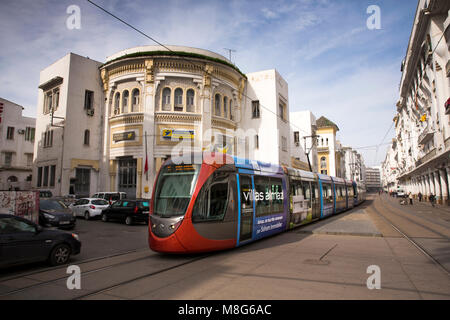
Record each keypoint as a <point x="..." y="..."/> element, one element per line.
<point x="229" y="52"/>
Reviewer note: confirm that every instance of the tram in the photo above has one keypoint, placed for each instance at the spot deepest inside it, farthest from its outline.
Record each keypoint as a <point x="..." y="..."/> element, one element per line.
<point x="213" y="201"/>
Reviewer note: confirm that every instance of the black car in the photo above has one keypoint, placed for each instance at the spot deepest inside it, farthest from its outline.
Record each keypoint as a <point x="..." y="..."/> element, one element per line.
<point x="130" y="211"/>
<point x="22" y="241"/>
<point x="54" y="213"/>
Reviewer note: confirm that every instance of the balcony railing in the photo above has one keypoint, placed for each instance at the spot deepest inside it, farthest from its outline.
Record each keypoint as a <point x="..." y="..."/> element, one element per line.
<point x="425" y="135"/>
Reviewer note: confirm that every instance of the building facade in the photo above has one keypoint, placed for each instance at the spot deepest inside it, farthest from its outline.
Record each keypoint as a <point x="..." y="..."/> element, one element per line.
<point x="419" y="155"/>
<point x="373" y="179"/>
<point x="354" y="167"/>
<point x="17" y="135"/>
<point x="110" y="126"/>
<point x="329" y="153"/>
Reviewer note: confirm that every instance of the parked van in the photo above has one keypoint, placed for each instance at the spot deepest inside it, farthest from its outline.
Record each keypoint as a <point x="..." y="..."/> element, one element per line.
<point x="110" y="196"/>
<point x="401" y="193"/>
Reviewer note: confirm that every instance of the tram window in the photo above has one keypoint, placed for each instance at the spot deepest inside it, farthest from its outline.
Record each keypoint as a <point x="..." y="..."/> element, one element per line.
<point x="307" y="192"/>
<point x="212" y="200"/>
<point x="277" y="195"/>
<point x="174" y="188"/>
<point x="315" y="191"/>
<point x="327" y="192"/>
<point x="262" y="190"/>
<point x="269" y="195"/>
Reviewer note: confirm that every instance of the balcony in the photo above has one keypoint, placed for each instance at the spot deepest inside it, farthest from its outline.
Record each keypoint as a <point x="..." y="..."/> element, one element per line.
<point x="322" y="149"/>
<point x="431" y="154"/>
<point x="426" y="135"/>
<point x="127" y="118"/>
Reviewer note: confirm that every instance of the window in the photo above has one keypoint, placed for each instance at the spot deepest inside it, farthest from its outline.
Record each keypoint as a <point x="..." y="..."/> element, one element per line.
<point x="29" y="159"/>
<point x="39" y="179"/>
<point x="327" y="141"/>
<point x="88" y="100"/>
<point x="174" y="189"/>
<point x="14" y="225"/>
<point x="296" y="137"/>
<point x="256" y="141"/>
<point x="212" y="201"/>
<point x="166" y="99"/>
<point x="52" y="176"/>
<point x="8" y="159"/>
<point x="190" y="100"/>
<point x="283" y="143"/>
<point x="268" y="196"/>
<point x="323" y="162"/>
<point x="86" y="137"/>
<point x="29" y="134"/>
<point x="135" y="101"/>
<point x="282" y="110"/>
<point x="178" y="99"/>
<point x="56" y="98"/>
<point x="327" y="192"/>
<point x="255" y="109"/>
<point x="48" y="102"/>
<point x="45" y="184"/>
<point x="125" y="97"/>
<point x="217" y="105"/>
<point x="117" y="103"/>
<point x="323" y="171"/>
<point x="10" y="133"/>
<point x="48" y="138"/>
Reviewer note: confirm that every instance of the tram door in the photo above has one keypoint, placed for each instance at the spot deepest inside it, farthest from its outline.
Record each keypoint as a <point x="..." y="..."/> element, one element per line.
<point x="246" y="219"/>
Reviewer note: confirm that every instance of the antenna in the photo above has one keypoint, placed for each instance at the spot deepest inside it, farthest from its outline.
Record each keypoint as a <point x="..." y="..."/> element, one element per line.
<point x="229" y="52"/>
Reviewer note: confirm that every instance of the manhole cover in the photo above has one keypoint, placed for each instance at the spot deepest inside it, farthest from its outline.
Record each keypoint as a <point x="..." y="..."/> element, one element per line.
<point x="317" y="262"/>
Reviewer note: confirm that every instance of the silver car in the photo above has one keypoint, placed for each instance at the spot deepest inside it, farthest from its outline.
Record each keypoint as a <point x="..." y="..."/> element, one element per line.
<point x="89" y="207"/>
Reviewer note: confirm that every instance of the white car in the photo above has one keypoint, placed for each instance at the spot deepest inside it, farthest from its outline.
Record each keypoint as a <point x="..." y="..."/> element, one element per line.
<point x="89" y="207"/>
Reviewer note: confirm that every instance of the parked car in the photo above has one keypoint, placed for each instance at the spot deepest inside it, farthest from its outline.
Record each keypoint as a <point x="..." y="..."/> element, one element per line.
<point x="54" y="213"/>
<point x="89" y="207"/>
<point x="129" y="211"/>
<point x="110" y="196"/>
<point x="45" y="194"/>
<point x="22" y="241"/>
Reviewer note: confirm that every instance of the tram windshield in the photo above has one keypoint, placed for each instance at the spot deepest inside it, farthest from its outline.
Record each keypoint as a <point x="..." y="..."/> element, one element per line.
<point x="174" y="189"/>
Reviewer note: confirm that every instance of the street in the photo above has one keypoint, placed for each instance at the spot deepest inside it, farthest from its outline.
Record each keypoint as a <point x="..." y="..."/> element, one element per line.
<point x="328" y="259"/>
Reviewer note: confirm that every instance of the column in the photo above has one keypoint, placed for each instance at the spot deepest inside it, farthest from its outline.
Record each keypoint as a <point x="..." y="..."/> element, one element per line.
<point x="149" y="85"/>
<point x="438" y="186"/>
<point x="444" y="185"/>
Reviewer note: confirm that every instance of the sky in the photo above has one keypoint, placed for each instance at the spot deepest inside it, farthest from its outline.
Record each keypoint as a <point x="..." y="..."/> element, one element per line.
<point x="334" y="64"/>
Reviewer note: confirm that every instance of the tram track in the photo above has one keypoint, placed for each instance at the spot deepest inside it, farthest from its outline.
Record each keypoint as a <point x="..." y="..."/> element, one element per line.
<point x="105" y="289"/>
<point x="410" y="239"/>
<point x="43" y="283"/>
<point x="64" y="266"/>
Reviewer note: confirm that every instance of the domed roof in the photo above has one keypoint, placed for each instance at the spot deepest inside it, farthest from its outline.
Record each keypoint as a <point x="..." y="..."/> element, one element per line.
<point x="323" y="122"/>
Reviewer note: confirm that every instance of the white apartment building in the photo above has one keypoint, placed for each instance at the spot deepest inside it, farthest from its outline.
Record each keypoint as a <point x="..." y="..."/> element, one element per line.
<point x="373" y="179"/>
<point x="303" y="140"/>
<point x="354" y="168"/>
<point x="149" y="103"/>
<point x="266" y="112"/>
<point x="17" y="134"/>
<point x="421" y="147"/>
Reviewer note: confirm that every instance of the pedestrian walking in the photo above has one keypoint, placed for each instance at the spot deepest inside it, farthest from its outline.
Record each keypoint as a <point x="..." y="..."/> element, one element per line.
<point x="432" y="199"/>
<point x="410" y="196"/>
<point x="420" y="196"/>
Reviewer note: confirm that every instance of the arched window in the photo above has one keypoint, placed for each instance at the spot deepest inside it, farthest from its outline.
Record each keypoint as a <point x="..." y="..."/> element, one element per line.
<point x="166" y="99"/>
<point x="323" y="162"/>
<point x="225" y="107"/>
<point x="117" y="103"/>
<point x="12" y="179"/>
<point x="190" y="95"/>
<point x="178" y="99"/>
<point x="217" y="105"/>
<point x="135" y="100"/>
<point x="327" y="141"/>
<point x="125" y="99"/>
<point x="86" y="137"/>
